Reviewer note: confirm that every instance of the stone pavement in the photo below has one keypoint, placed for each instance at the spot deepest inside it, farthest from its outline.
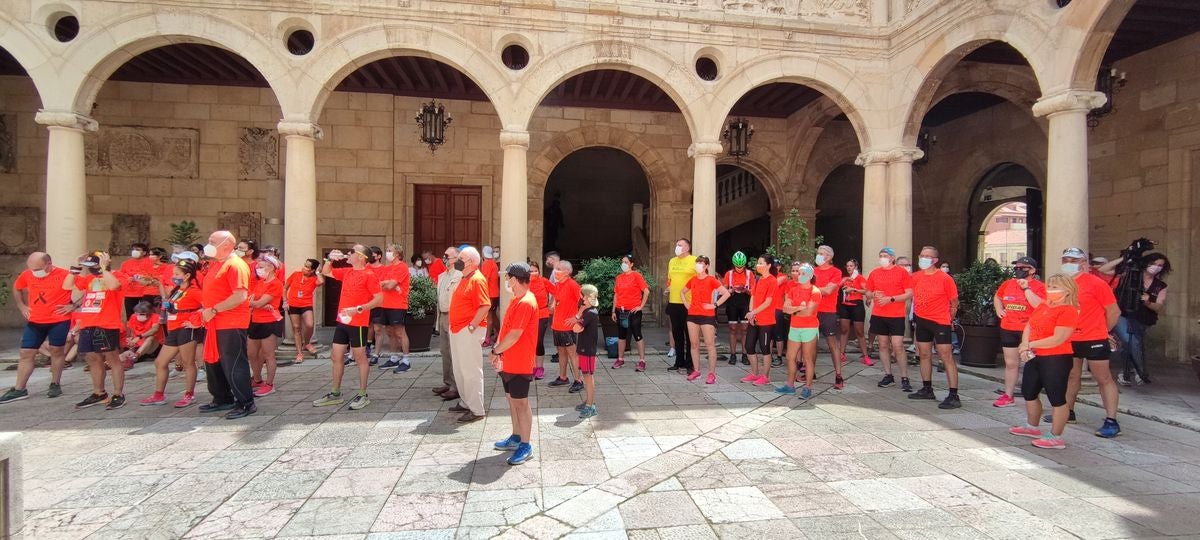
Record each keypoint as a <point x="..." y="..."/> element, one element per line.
<point x="664" y="459"/>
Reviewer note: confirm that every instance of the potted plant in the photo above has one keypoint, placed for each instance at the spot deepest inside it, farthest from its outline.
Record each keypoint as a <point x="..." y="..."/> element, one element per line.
<point x="602" y="273"/>
<point x="977" y="285"/>
<point x="794" y="242"/>
<point x="422" y="313"/>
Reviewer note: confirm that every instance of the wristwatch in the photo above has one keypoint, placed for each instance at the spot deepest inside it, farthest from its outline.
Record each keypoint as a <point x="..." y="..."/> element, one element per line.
<point x="470" y="328"/>
<point x="358" y="309"/>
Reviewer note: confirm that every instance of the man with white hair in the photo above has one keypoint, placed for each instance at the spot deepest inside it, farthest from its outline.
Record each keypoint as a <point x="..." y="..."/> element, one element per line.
<point x="447" y="283"/>
<point x="828" y="279"/>
<point x="567" y="295"/>
<point x="469" y="307"/>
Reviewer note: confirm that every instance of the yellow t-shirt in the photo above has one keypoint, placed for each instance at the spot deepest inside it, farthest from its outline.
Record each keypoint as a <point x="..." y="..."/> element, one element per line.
<point x="679" y="271"/>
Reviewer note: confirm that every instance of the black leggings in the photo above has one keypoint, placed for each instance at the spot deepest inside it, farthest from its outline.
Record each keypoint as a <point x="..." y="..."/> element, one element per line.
<point x="758" y="338"/>
<point x="541" y="345"/>
<point x="635" y="326"/>
<point x="683" y="345"/>
<point x="1049" y="374"/>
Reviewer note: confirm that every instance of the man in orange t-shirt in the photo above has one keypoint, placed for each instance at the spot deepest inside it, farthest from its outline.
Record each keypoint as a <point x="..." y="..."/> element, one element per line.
<point x="469" y="306"/>
<point x="935" y="301"/>
<point x="566" y="293"/>
<point x="828" y="278"/>
<point x="395" y="281"/>
<point x="890" y="287"/>
<point x="513" y="358"/>
<point x="225" y="301"/>
<point x="101" y="325"/>
<point x="360" y="294"/>
<point x="1098" y="314"/>
<point x="47" y="309"/>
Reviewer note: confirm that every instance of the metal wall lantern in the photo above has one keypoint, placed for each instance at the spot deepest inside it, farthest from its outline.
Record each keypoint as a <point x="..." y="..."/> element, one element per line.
<point x="925" y="142"/>
<point x="738" y="135"/>
<point x="432" y="119"/>
<point x="1108" y="82"/>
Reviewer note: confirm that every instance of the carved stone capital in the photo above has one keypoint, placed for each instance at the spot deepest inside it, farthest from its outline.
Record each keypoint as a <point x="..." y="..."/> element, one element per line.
<point x="65" y="119"/>
<point x="904" y="155"/>
<point x="1080" y="101"/>
<point x="884" y="156"/>
<point x="705" y="148"/>
<point x="510" y="138"/>
<point x="300" y="129"/>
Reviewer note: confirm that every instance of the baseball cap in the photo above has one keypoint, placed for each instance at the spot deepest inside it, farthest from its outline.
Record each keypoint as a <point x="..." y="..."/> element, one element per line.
<point x="90" y="261"/>
<point x="1074" y="253"/>
<point x="1027" y="261"/>
<point x="1099" y="260"/>
<point x="518" y="270"/>
<point x="889" y="251"/>
<point x="187" y="256"/>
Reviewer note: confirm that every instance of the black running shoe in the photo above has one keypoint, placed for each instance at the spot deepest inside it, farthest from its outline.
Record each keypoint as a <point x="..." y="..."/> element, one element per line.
<point x="905" y="386"/>
<point x="241" y="411"/>
<point x="887" y="381"/>
<point x="951" y="402"/>
<point x="92" y="401"/>
<point x="776" y="361"/>
<point x="116" y="402"/>
<point x="1049" y="418"/>
<point x="554" y="359"/>
<point x="558" y="382"/>
<point x="745" y="359"/>
<point x="733" y="359"/>
<point x="576" y="387"/>
<point x="216" y="407"/>
<point x="924" y="393"/>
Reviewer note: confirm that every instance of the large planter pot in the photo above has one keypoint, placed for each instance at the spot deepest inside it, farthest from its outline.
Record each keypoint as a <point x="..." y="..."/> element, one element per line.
<point x="420" y="332"/>
<point x="981" y="346"/>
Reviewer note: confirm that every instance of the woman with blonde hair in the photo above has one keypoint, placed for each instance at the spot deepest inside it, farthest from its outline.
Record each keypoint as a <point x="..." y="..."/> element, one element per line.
<point x="1046" y="350"/>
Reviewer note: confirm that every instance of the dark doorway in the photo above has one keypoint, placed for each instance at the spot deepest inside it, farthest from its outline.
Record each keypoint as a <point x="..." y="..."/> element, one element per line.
<point x="743" y="216"/>
<point x="589" y="203"/>
<point x="840" y="213"/>
<point x="446" y="216"/>
<point x="1005" y="216"/>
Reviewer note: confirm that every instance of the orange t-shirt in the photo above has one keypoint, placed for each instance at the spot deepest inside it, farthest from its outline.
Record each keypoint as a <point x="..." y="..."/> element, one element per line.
<point x="566" y="304"/>
<point x="782" y="284"/>
<point x="822" y="277"/>
<point x="932" y="294"/>
<point x="1016" y="308"/>
<point x="187" y="308"/>
<point x="300" y="289"/>
<point x="163" y="271"/>
<point x="470" y="295"/>
<point x="764" y="291"/>
<point x="857" y="282"/>
<point x="1042" y="322"/>
<point x="492" y="272"/>
<point x="804" y="292"/>
<point x="46" y="294"/>
<point x="539" y="286"/>
<point x="358" y="288"/>
<point x="627" y="292"/>
<point x="521" y="315"/>
<point x="270" y="312"/>
<point x="700" y="291"/>
<point x="739" y="281"/>
<point x="100" y="308"/>
<point x="134" y="269"/>
<point x="1094" y="296"/>
<point x="395" y="298"/>
<point x="219" y="284"/>
<point x="137" y="328"/>
<point x="890" y="281"/>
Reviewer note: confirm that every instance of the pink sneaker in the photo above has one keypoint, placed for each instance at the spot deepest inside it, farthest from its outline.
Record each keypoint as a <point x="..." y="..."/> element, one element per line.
<point x="641" y="366"/>
<point x="255" y="384"/>
<point x="1026" y="431"/>
<point x="264" y="389"/>
<point x="693" y="375"/>
<point x="712" y="379"/>
<point x="762" y="381"/>
<point x="1056" y="443"/>
<point x="1004" y="400"/>
<point x="620" y="362"/>
<point x="750" y="377"/>
<point x="157" y="399"/>
<point x="866" y="360"/>
<point x="184" y="401"/>
<point x="539" y="374"/>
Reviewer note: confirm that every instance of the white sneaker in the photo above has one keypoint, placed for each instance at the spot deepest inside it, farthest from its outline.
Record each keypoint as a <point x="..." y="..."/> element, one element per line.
<point x="1121" y="380"/>
<point x="1137" y="379"/>
<point x="671" y="353"/>
<point x="200" y="376"/>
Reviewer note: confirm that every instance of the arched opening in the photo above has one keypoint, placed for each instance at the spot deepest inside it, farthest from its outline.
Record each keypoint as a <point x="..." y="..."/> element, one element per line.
<point x="1005" y="212"/>
<point x="743" y="215"/>
<point x="595" y="205"/>
<point x="840" y="212"/>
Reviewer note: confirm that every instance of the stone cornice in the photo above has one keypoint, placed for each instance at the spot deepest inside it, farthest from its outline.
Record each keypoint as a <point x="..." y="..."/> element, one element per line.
<point x="66" y="119"/>
<point x="885" y="156"/>
<point x="1079" y="101"/>
<point x="300" y="129"/>
<point x="514" y="139"/>
<point x="705" y="148"/>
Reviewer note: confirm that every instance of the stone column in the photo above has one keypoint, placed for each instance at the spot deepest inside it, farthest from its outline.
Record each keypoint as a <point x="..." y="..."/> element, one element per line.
<point x="300" y="193"/>
<point x="899" y="191"/>
<point x="875" y="207"/>
<point x="66" y="218"/>
<point x="514" y="202"/>
<point x="1067" y="167"/>
<point x="704" y="198"/>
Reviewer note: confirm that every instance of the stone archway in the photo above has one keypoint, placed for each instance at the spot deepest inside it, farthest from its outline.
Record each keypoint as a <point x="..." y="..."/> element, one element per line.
<point x="593" y="190"/>
<point x="1006" y="185"/>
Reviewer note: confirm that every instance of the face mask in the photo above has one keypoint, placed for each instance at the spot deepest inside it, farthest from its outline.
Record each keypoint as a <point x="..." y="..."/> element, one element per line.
<point x="95" y="270"/>
<point x="1070" y="268"/>
<point x="761" y="269"/>
<point x="210" y="250"/>
<point x="391" y="256"/>
<point x="1055" y="295"/>
<point x="820" y="259"/>
<point x="260" y="272"/>
<point x="699" y="268"/>
<point x="458" y="265"/>
<point x="177" y="281"/>
<point x="135" y="253"/>
<point x="854" y="273"/>
<point x="946" y="269"/>
<point x="240" y="252"/>
<point x="43" y="273"/>
<point x="1020" y="273"/>
<point x="624" y="267"/>
<point x="805" y="277"/>
<point x="1154" y="269"/>
<point x="885" y="262"/>
<point x="678" y="251"/>
<point x="906" y="267"/>
<point x="925" y="263"/>
<point x="142" y="318"/>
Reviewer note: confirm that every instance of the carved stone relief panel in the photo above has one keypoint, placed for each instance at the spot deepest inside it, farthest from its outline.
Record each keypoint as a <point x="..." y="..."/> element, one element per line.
<point x="127" y="229"/>
<point x="772" y="7"/>
<point x="20" y="227"/>
<point x="8" y="143"/>
<point x="243" y="225"/>
<point x="143" y="151"/>
<point x="258" y="154"/>
<point x="840" y="11"/>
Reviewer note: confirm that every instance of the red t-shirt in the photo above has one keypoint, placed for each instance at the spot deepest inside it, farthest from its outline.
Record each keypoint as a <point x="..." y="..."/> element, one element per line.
<point x="395" y="298"/>
<point x="739" y="282"/>
<point x="1016" y="308"/>
<point x="566" y="304"/>
<point x="822" y="277"/>
<point x="857" y="282"/>
<point x="137" y="328"/>
<point x="358" y="288"/>
<point x="157" y="269"/>
<point x="627" y="292"/>
<point x="187" y="308"/>
<point x="270" y="312"/>
<point x="435" y="269"/>
<point x="890" y="281"/>
<point x="492" y="273"/>
<point x="219" y="284"/>
<point x="539" y="286"/>
<point x="100" y="308"/>
<point x="782" y="284"/>
<point x="470" y="295"/>
<point x="1042" y="322"/>
<point x="700" y="291"/>
<point x="46" y="294"/>
<point x="932" y="294"/>
<point x="764" y="292"/>
<point x="300" y="289"/>
<point x="1094" y="296"/>
<point x="134" y="269"/>
<point x="521" y="315"/>
<point x="804" y="292"/>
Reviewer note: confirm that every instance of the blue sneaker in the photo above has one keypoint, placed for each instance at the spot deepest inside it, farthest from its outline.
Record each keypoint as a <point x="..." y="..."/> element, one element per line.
<point x="587" y="412"/>
<point x="511" y="443"/>
<point x="786" y="390"/>
<point x="1109" y="430"/>
<point x="523" y="453"/>
<point x="580" y="407"/>
<point x="805" y="393"/>
<point x="402" y="367"/>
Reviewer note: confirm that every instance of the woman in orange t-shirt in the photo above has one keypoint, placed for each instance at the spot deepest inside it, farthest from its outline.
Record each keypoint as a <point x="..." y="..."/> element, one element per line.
<point x="301" y="287"/>
<point x="1046" y="349"/>
<point x="801" y="302"/>
<point x="181" y="311"/>
<point x="702" y="295"/>
<point x="630" y="294"/>
<point x="762" y="321"/>
<point x="852" y="312"/>
<point x="266" y="324"/>
<point x="540" y="287"/>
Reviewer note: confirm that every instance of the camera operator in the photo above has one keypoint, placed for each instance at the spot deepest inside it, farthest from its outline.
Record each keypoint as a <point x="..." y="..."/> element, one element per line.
<point x="1141" y="295"/>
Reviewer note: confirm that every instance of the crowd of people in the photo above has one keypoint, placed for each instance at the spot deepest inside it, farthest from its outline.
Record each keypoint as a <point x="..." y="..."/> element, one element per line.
<point x="217" y="312"/>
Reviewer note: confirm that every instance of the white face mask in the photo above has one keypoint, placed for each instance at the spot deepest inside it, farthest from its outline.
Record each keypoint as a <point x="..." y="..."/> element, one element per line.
<point x="240" y="252"/>
<point x="1070" y="268"/>
<point x="260" y="272"/>
<point x="885" y="262"/>
<point x="43" y="273"/>
<point x="946" y="269"/>
<point x="678" y="251"/>
<point x="1154" y="269"/>
<point x="820" y="259"/>
<point x="854" y="273"/>
<point x="135" y="253"/>
<point x="924" y="263"/>
<point x="699" y="268"/>
<point x="390" y="255"/>
<point x="142" y="318"/>
<point x="624" y="267"/>
<point x="210" y="250"/>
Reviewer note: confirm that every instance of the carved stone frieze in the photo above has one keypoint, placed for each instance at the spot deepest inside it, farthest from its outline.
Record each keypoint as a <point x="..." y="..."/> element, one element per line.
<point x="840" y="11"/>
<point x="127" y="229"/>
<point x="143" y="151"/>
<point x="258" y="154"/>
<point x="20" y="227"/>
<point x="243" y="225"/>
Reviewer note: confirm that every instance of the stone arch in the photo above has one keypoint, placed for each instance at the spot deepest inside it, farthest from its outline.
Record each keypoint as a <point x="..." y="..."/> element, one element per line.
<point x="764" y="171"/>
<point x="979" y="162"/>
<point x="29" y="53"/>
<point x="658" y="175"/>
<point x="1100" y="18"/>
<point x="360" y="46"/>
<point x="833" y="80"/>
<point x="557" y="66"/>
<point x="809" y="125"/>
<point x="1016" y="84"/>
<point x="843" y="152"/>
<point x="96" y="55"/>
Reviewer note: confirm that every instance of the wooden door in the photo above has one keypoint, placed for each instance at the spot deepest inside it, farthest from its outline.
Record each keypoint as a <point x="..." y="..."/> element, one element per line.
<point x="447" y="216"/>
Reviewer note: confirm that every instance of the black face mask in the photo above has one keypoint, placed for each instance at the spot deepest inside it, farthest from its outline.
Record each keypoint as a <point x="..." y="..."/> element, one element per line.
<point x="1021" y="273"/>
<point x="458" y="265"/>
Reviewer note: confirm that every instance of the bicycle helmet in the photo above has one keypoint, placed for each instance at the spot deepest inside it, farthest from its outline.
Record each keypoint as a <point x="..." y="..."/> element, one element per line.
<point x="739" y="259"/>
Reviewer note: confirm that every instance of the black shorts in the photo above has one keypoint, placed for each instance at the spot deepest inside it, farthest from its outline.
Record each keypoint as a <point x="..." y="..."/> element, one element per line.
<point x="1010" y="339"/>
<point x="783" y="323"/>
<point x="629" y="323"/>
<point x="736" y="307"/>
<point x="758" y="339"/>
<point x="827" y="324"/>
<point x="855" y="312"/>
<point x="702" y="320"/>
<point x="927" y="331"/>
<point x="543" y="325"/>
<point x="265" y="330"/>
<point x="389" y="316"/>
<point x="299" y="310"/>
<point x="354" y="336"/>
<point x="516" y="386"/>
<point x="1092" y="350"/>
<point x="888" y="326"/>
<point x="495" y="304"/>
<point x="99" y="340"/>
<point x="565" y="339"/>
<point x="182" y="336"/>
<point x="1049" y="374"/>
<point x="37" y="333"/>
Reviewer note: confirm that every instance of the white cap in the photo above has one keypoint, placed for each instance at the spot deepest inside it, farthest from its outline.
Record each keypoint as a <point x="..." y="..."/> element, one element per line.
<point x="487" y="252"/>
